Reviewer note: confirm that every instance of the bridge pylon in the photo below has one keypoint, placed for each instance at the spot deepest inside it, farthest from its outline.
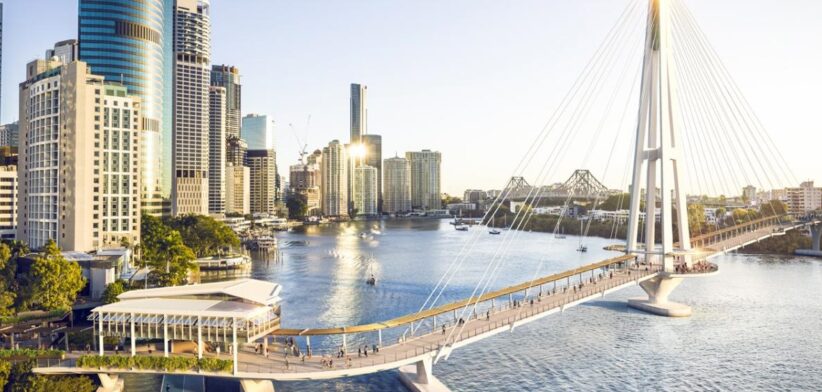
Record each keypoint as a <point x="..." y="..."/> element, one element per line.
<point x="659" y="167"/>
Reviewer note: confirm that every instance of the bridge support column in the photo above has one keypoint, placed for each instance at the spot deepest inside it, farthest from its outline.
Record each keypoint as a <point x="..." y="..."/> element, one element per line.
<point x="658" y="288"/>
<point x="110" y="383"/>
<point x="418" y="377"/>
<point x="816" y="236"/>
<point x="256" y="385"/>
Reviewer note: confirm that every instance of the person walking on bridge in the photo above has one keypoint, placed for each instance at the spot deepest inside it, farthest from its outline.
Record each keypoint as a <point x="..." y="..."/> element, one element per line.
<point x="443" y="329"/>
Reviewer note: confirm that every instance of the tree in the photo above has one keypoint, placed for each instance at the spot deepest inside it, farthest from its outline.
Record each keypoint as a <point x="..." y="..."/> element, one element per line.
<point x="621" y="201"/>
<point x="163" y="250"/>
<point x="8" y="294"/>
<point x="696" y="218"/>
<point x="5" y="371"/>
<point x="297" y="205"/>
<point x="740" y="215"/>
<point x="772" y="208"/>
<point x="448" y="199"/>
<point x="204" y="234"/>
<point x="55" y="280"/>
<point x="113" y="290"/>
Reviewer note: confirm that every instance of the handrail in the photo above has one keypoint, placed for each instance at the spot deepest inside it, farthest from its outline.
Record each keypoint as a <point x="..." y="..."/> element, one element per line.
<point x="414" y="317"/>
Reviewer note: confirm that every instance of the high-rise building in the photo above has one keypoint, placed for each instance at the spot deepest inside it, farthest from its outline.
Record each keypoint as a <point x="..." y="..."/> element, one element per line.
<point x="373" y="157"/>
<point x="228" y="77"/>
<point x="216" y="148"/>
<point x="66" y="51"/>
<point x="258" y="132"/>
<point x="9" y="134"/>
<point x="359" y="112"/>
<point x="130" y="41"/>
<point x="263" y="189"/>
<point x="304" y="179"/>
<point x="397" y="182"/>
<point x="237" y="189"/>
<point x="474" y="196"/>
<point x="79" y="158"/>
<point x="365" y="190"/>
<point x="8" y="202"/>
<point x="425" y="179"/>
<point x="192" y="79"/>
<point x="749" y="194"/>
<point x="235" y="150"/>
<point x="334" y="177"/>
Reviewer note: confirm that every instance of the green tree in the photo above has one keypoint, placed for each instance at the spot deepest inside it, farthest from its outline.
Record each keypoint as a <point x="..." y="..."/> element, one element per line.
<point x="621" y="201"/>
<point x="55" y="280"/>
<point x="8" y="294"/>
<point x="696" y="218"/>
<point x="113" y="290"/>
<point x="740" y="215"/>
<point x="164" y="251"/>
<point x="773" y="207"/>
<point x="38" y="383"/>
<point x="204" y="235"/>
<point x="5" y="372"/>
<point x="297" y="205"/>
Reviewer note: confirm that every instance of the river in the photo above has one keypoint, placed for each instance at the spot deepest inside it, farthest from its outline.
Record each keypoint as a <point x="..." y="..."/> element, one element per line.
<point x="756" y="326"/>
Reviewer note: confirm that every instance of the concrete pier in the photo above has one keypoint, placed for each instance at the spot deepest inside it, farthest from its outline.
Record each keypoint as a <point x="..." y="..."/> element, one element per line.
<point x="248" y="385"/>
<point x="418" y="378"/>
<point x="110" y="383"/>
<point x="658" y="288"/>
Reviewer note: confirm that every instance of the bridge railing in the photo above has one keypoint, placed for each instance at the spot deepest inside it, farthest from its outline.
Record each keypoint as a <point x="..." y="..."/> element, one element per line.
<point x="725" y="233"/>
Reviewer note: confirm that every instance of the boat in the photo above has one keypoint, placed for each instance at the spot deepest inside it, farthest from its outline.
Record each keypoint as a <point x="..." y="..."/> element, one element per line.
<point x="461" y="228"/>
<point x="560" y="235"/>
<point x="582" y="247"/>
<point x="372" y="281"/>
<point x="223" y="263"/>
<point x="493" y="231"/>
<point x="262" y="243"/>
<point x="363" y="235"/>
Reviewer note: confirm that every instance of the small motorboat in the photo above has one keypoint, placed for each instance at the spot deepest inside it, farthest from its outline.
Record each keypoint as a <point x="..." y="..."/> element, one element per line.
<point x="372" y="281"/>
<point x="461" y="228"/>
<point x="582" y="248"/>
<point x="494" y="232"/>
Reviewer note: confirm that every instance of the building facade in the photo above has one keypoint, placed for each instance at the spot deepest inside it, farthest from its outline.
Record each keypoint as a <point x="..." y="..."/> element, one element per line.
<point x="216" y="150"/>
<point x="9" y="134"/>
<point x="258" y="132"/>
<point x="334" y="180"/>
<point x="397" y="182"/>
<point x="425" y="179"/>
<point x="263" y="189"/>
<point x="237" y="192"/>
<point x="373" y="157"/>
<point x="474" y="196"/>
<point x="192" y="79"/>
<point x="130" y="41"/>
<point x="66" y="51"/>
<point x="365" y="190"/>
<point x="8" y="202"/>
<point x="304" y="179"/>
<point x="804" y="199"/>
<point x="79" y="158"/>
<point x="228" y="77"/>
<point x="359" y="112"/>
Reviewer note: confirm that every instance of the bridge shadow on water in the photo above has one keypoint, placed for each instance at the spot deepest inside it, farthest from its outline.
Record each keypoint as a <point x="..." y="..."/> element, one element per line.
<point x="614" y="306"/>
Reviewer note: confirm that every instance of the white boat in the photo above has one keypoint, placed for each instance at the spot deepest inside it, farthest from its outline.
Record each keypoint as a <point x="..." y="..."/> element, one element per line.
<point x="493" y="231"/>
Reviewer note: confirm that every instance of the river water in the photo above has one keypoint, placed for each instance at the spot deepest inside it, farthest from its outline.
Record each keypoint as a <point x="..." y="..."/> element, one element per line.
<point x="756" y="326"/>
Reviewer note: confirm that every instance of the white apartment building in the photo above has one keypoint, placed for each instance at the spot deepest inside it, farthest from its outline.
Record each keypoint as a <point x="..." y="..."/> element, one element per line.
<point x="397" y="184"/>
<point x="8" y="202"/>
<point x="216" y="150"/>
<point x="334" y="179"/>
<point x="425" y="179"/>
<point x="79" y="159"/>
<point x="804" y="199"/>
<point x="365" y="190"/>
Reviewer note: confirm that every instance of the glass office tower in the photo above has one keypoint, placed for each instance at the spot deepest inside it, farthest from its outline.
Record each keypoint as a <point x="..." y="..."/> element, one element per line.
<point x="128" y="41"/>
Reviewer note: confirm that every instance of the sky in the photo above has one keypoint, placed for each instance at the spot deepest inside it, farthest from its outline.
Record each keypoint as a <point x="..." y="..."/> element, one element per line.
<point x="473" y="79"/>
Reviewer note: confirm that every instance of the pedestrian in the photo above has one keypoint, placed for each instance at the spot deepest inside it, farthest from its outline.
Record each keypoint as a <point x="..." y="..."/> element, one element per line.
<point x="443" y="329"/>
<point x="487" y="315"/>
<point x="359" y="352"/>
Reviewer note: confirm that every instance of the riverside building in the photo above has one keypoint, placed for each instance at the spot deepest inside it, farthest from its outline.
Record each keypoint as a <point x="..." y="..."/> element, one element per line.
<point x="79" y="157"/>
<point x="425" y="179"/>
<point x="133" y="45"/>
<point x="396" y="178"/>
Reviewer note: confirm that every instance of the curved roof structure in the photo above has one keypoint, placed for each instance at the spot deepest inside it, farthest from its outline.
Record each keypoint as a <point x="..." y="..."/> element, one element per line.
<point x="249" y="290"/>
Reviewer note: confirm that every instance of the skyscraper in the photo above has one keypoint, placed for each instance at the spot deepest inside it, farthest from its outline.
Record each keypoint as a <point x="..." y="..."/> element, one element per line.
<point x="397" y="192"/>
<point x="228" y="77"/>
<point x="365" y="190"/>
<point x="9" y="134"/>
<point x="359" y="112"/>
<point x="66" y="51"/>
<point x="425" y="179"/>
<point x="216" y="150"/>
<point x="88" y="198"/>
<point x="263" y="189"/>
<point x="334" y="177"/>
<point x="237" y="192"/>
<point x="373" y="157"/>
<point x="258" y="132"/>
<point x="192" y="79"/>
<point x="130" y="41"/>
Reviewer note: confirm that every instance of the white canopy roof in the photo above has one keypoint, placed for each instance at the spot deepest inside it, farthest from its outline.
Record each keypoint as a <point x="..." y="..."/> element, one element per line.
<point x="250" y="290"/>
<point x="184" y="307"/>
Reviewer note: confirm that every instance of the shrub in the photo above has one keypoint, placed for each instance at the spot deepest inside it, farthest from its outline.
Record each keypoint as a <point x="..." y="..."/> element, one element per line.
<point x="170" y="364"/>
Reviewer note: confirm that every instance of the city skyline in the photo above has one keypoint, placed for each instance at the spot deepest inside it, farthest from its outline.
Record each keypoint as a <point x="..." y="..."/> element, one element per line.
<point x="533" y="81"/>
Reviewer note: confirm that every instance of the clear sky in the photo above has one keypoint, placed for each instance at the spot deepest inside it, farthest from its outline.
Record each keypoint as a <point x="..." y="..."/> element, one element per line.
<point x="474" y="79"/>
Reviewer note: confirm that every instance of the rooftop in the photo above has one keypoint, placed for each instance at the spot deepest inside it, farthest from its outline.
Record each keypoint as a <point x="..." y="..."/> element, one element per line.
<point x="249" y="290"/>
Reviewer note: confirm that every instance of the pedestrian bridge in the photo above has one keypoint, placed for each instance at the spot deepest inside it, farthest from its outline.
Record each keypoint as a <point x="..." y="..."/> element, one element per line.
<point x="431" y="335"/>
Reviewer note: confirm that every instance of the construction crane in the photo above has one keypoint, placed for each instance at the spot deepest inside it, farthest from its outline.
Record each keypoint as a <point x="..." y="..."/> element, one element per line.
<point x="302" y="145"/>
